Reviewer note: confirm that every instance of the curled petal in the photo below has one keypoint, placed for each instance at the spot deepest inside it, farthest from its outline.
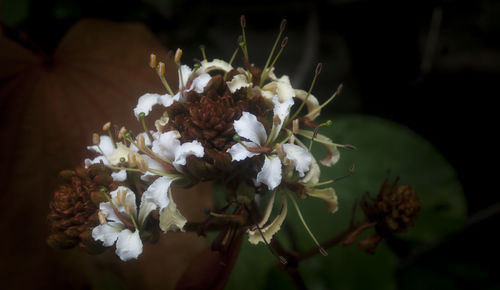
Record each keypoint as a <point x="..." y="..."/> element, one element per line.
<point x="145" y="104"/>
<point x="145" y="209"/>
<point x="249" y="127"/>
<point x="171" y="218"/>
<point x="120" y="152"/>
<point x="270" y="174"/>
<point x="238" y="152"/>
<point x="167" y="100"/>
<point x="312" y="176"/>
<point x="157" y="192"/>
<point x="186" y="72"/>
<point x="166" y="145"/>
<point x="281" y="110"/>
<point x="326" y="194"/>
<point x="128" y="245"/>
<point x="255" y="237"/>
<point x="333" y="154"/>
<point x="215" y="64"/>
<point x="312" y="103"/>
<point x="200" y="82"/>
<point x="301" y="157"/>
<point x="284" y="89"/>
<point x="96" y="160"/>
<point x="107" y="233"/>
<point x="189" y="148"/>
<point x="147" y="141"/>
<point x="238" y="82"/>
<point x="119" y="176"/>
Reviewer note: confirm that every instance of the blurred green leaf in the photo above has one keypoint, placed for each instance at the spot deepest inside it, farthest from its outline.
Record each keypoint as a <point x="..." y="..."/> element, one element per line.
<point x="13" y="12"/>
<point x="381" y="145"/>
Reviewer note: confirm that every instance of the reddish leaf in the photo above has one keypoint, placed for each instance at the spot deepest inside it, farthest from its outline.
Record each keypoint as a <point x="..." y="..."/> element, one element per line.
<point x="49" y="108"/>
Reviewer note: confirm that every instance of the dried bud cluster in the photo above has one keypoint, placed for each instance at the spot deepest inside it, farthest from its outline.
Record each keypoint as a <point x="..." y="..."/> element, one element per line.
<point x="74" y="207"/>
<point x="394" y="209"/>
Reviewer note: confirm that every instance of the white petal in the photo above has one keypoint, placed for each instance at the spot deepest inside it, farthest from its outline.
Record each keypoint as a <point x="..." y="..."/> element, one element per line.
<point x="171" y="218"/>
<point x="166" y="145"/>
<point x="270" y="174"/>
<point x="312" y="103"/>
<point x="120" y="152"/>
<point x="145" y="104"/>
<point x="249" y="127"/>
<point x="284" y="89"/>
<point x="189" y="148"/>
<point x="238" y="152"/>
<point x="96" y="160"/>
<point x="333" y="154"/>
<point x="255" y="237"/>
<point x="186" y="72"/>
<point x="107" y="233"/>
<point x="301" y="157"/>
<point x="326" y="194"/>
<point x="151" y="164"/>
<point x="167" y="100"/>
<point x="105" y="144"/>
<point x="157" y="192"/>
<point x="200" y="82"/>
<point x="145" y="209"/>
<point x="119" y="176"/>
<point x="128" y="245"/>
<point x="281" y="109"/>
<point x="109" y="213"/>
<point x="238" y="82"/>
<point x="215" y="64"/>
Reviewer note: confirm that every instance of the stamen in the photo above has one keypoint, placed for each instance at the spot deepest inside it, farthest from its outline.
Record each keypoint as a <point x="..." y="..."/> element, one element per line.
<point x="264" y="73"/>
<point x="337" y="92"/>
<point x="122" y="132"/>
<point x="237" y="138"/>
<point x="102" y="218"/>
<point x="274" y="131"/>
<point x="160" y="69"/>
<point x="106" y="127"/>
<point x="283" y="44"/>
<point x="120" y="196"/>
<point x="279" y="150"/>
<point x="152" y="61"/>
<point x="141" y="164"/>
<point x="281" y="258"/>
<point x="202" y="48"/>
<point x="128" y="210"/>
<point x="316" y="73"/>
<point x="320" y="248"/>
<point x="238" y="41"/>
<point x="142" y="117"/>
<point x="141" y="142"/>
<point x="243" y="24"/>
<point x="132" y="161"/>
<point x="178" y="55"/>
<point x="328" y="123"/>
<point x="295" y="126"/>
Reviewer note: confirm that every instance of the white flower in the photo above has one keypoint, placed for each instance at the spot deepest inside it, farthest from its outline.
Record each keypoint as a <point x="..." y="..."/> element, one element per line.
<point x="113" y="215"/>
<point x="186" y="84"/>
<point x="109" y="154"/>
<point x="168" y="146"/>
<point x="250" y="128"/>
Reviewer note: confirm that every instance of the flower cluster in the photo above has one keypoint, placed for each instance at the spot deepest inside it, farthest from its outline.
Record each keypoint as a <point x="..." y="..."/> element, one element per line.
<point x="234" y="125"/>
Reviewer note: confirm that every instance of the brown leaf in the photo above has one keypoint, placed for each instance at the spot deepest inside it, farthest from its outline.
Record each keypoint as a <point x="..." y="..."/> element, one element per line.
<point x="50" y="105"/>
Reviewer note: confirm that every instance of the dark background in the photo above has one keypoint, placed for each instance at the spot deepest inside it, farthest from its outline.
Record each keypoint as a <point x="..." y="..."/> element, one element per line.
<point x="433" y="66"/>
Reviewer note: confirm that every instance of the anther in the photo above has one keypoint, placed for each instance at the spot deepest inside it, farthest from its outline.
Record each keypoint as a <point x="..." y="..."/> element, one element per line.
<point x="318" y="68"/>
<point x="323" y="251"/>
<point x="141" y="164"/>
<point x="141" y="142"/>
<point x="106" y="126"/>
<point x="102" y="218"/>
<point x="122" y="132"/>
<point x="243" y="21"/>
<point x="132" y="161"/>
<point x="295" y="126"/>
<point x="152" y="60"/>
<point x="283" y="25"/>
<point x="96" y="139"/>
<point x="276" y="120"/>
<point x="128" y="209"/>
<point x="284" y="42"/>
<point x="178" y="55"/>
<point x="120" y="196"/>
<point x="160" y="69"/>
